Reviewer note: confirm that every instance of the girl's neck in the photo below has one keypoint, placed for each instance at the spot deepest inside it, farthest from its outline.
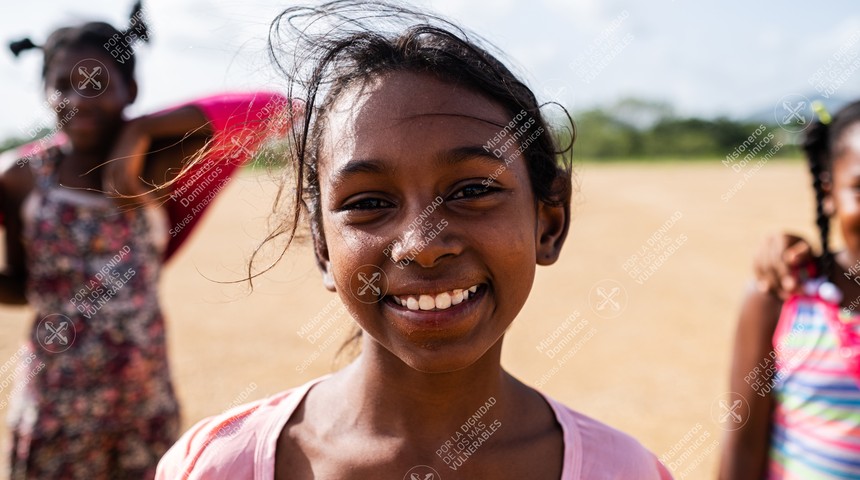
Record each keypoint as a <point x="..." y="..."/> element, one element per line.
<point x="388" y="397"/>
<point x="79" y="169"/>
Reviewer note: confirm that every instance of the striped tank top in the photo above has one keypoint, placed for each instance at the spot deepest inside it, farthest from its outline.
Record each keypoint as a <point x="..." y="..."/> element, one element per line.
<point x="815" y="432"/>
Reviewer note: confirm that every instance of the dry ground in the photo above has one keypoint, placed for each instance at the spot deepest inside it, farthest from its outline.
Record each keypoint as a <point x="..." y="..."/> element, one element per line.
<point x="655" y="370"/>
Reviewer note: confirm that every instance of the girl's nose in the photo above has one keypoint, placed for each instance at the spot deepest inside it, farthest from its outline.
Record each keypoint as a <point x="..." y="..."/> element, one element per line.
<point x="426" y="244"/>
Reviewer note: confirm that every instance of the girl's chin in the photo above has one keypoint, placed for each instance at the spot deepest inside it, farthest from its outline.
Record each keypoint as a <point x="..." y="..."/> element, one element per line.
<point x="438" y="366"/>
<point x="439" y="357"/>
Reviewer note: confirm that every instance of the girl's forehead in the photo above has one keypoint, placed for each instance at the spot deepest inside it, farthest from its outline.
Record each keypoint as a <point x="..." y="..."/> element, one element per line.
<point x="65" y="58"/>
<point x="404" y="117"/>
<point x="848" y="144"/>
<point x="391" y="99"/>
<point x="851" y="137"/>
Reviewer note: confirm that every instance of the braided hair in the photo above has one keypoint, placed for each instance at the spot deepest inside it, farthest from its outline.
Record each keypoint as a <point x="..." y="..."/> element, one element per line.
<point x="822" y="145"/>
<point x="118" y="44"/>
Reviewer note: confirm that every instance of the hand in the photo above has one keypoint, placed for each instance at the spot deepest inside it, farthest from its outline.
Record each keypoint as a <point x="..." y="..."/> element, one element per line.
<point x="778" y="263"/>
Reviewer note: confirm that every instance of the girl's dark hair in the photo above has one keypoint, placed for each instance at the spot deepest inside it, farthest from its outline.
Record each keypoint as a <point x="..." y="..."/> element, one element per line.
<point x="119" y="45"/>
<point x="822" y="145"/>
<point x="323" y="50"/>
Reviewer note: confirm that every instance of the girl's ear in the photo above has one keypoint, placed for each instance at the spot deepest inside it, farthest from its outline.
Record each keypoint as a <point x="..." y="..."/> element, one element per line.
<point x="553" y="222"/>
<point x="321" y="252"/>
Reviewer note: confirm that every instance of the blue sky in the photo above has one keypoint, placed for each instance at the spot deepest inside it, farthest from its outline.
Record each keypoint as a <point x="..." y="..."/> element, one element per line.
<point x="718" y="58"/>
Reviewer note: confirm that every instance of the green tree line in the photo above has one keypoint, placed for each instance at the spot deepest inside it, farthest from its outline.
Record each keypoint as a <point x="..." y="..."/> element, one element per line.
<point x="634" y="129"/>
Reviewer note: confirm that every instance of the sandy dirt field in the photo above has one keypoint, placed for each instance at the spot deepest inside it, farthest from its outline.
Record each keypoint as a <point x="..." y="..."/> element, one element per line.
<point x="646" y="353"/>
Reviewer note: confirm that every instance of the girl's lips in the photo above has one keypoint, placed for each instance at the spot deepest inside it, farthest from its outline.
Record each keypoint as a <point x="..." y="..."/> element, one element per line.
<point x="437" y="318"/>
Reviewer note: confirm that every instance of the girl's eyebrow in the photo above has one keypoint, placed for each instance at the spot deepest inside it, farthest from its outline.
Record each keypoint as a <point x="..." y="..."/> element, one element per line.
<point x="460" y="154"/>
<point x="451" y="157"/>
<point x="360" y="166"/>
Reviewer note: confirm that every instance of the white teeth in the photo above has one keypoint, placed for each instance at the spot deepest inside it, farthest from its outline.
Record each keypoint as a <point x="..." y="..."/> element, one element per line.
<point x="440" y="301"/>
<point x="457" y="297"/>
<point x="412" y="303"/>
<point x="443" y="300"/>
<point x="426" y="302"/>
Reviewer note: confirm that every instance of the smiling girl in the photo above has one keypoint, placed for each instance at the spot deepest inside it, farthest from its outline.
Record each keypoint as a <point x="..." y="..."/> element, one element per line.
<point x="402" y="111"/>
<point x="797" y="354"/>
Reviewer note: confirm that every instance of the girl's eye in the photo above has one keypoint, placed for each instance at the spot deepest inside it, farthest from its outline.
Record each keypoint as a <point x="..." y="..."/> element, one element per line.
<point x="473" y="191"/>
<point x="367" y="204"/>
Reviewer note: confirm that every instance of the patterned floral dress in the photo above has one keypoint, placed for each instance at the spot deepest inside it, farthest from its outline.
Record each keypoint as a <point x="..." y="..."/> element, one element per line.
<point x="94" y="399"/>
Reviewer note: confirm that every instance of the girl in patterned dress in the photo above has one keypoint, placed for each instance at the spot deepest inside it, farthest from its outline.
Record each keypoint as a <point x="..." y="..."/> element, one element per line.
<point x="797" y="353"/>
<point x="94" y="398"/>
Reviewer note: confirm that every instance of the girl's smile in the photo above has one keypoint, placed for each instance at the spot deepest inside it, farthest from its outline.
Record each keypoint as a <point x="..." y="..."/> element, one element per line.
<point x="438" y="301"/>
<point x="429" y="312"/>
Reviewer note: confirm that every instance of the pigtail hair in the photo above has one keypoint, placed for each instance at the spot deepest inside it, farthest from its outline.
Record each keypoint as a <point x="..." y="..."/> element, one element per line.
<point x="19" y="46"/>
<point x="817" y="149"/>
<point x="137" y="27"/>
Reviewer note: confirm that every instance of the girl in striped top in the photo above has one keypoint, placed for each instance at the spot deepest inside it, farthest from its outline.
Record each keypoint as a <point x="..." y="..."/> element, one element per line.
<point x="797" y="359"/>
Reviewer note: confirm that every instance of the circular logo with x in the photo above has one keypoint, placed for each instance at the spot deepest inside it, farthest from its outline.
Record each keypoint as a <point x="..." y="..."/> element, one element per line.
<point x="730" y="411"/>
<point x="607" y="298"/>
<point x="422" y="472"/>
<point x="793" y="113"/>
<point x="368" y="284"/>
<point x="55" y="333"/>
<point x="89" y="78"/>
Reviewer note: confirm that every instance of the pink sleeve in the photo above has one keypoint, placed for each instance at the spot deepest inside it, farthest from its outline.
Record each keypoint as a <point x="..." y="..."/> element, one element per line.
<point x="172" y="465"/>
<point x="596" y="451"/>
<point x="226" y="438"/>
<point x="231" y="445"/>
<point x="232" y="112"/>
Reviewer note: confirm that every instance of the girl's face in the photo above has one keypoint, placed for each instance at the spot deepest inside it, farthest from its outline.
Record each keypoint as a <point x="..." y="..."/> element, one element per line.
<point x="414" y="205"/>
<point x="88" y="94"/>
<point x="846" y="187"/>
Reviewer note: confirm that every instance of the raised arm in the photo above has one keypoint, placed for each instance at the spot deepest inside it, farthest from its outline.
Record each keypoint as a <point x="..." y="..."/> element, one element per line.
<point x="746" y="449"/>
<point x="123" y="175"/>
